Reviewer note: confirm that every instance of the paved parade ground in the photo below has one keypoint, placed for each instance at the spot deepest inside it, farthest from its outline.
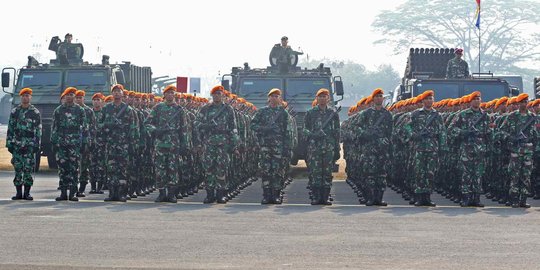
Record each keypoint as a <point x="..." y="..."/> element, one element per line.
<point x="92" y="234"/>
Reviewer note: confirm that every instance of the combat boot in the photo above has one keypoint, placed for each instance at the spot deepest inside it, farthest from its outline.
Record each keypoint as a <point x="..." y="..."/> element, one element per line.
<point x="162" y="197"/>
<point x="99" y="189"/>
<point x="63" y="194"/>
<point x="139" y="190"/>
<point x="92" y="187"/>
<point x="178" y="194"/>
<point x="379" y="198"/>
<point x="315" y="193"/>
<point x="171" y="195"/>
<point x="27" y="195"/>
<point x="73" y="193"/>
<point x="82" y="188"/>
<point x="183" y="192"/>
<point x="19" y="195"/>
<point x="515" y="200"/>
<point x="121" y="193"/>
<point x="325" y="196"/>
<point x="131" y="191"/>
<point x="370" y="197"/>
<point x="465" y="200"/>
<point x="221" y="196"/>
<point x="476" y="200"/>
<point x="276" y="197"/>
<point x="427" y="200"/>
<point x="266" y="196"/>
<point x="210" y="196"/>
<point x="112" y="194"/>
<point x="523" y="201"/>
<point x="419" y="199"/>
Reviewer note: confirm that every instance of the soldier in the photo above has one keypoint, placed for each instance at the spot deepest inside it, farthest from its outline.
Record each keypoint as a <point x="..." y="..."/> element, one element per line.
<point x="322" y="128"/>
<point x="86" y="150"/>
<point x="457" y="68"/>
<point x="98" y="157"/>
<point x="121" y="131"/>
<point x="471" y="127"/>
<point x="271" y="127"/>
<point x="374" y="127"/>
<point x="519" y="129"/>
<point x="426" y="131"/>
<point x="69" y="122"/>
<point x="167" y="122"/>
<point x="216" y="124"/>
<point x="283" y="53"/>
<point x="23" y="142"/>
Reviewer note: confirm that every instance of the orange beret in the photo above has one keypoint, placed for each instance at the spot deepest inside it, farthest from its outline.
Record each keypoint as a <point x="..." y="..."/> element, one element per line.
<point x="424" y="95"/>
<point x="241" y="100"/>
<point x="522" y="97"/>
<point x="314" y="103"/>
<point x="97" y="96"/>
<point x="217" y="88"/>
<point x="117" y="86"/>
<point x="502" y="100"/>
<point x="169" y="88"/>
<point x="511" y="100"/>
<point x="368" y="101"/>
<point x="25" y="91"/>
<point x="322" y="91"/>
<point x="132" y="93"/>
<point x="80" y="93"/>
<point x="536" y="102"/>
<point x="377" y="91"/>
<point x="474" y="94"/>
<point x="69" y="90"/>
<point x="109" y="98"/>
<point x="361" y="101"/>
<point x="274" y="91"/>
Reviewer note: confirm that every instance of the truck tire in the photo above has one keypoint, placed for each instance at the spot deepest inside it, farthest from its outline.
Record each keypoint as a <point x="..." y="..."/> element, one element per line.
<point x="52" y="161"/>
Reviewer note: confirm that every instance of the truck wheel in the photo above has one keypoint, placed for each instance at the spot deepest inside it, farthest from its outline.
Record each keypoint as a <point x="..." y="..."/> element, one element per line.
<point x="51" y="159"/>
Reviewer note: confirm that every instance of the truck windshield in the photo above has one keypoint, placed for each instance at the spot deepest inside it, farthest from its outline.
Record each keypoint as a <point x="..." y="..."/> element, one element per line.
<point x="86" y="78"/>
<point x="489" y="91"/>
<point x="442" y="90"/>
<point x="39" y="79"/>
<point x="306" y="88"/>
<point x="256" y="88"/>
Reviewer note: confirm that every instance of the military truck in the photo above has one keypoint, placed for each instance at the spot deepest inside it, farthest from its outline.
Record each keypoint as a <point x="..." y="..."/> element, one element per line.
<point x="68" y="69"/>
<point x="426" y="70"/>
<point x="298" y="86"/>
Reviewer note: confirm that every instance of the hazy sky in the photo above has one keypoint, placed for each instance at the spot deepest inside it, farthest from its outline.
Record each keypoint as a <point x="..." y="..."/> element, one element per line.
<point x="197" y="38"/>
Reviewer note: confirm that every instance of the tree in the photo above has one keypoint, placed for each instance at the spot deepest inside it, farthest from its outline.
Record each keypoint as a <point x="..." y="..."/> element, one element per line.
<point x="510" y="36"/>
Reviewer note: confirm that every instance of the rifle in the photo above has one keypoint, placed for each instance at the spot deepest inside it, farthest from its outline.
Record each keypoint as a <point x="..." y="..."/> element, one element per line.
<point x="430" y="120"/>
<point x="520" y="135"/>
<point x="327" y="120"/>
<point x="375" y="127"/>
<point x="472" y="128"/>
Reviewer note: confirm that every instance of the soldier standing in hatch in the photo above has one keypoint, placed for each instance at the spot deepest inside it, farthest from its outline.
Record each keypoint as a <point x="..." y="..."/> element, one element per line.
<point x="271" y="127"/>
<point x="457" y="68"/>
<point x="69" y="122"/>
<point x="322" y="128"/>
<point x="23" y="142"/>
<point x="283" y="53"/>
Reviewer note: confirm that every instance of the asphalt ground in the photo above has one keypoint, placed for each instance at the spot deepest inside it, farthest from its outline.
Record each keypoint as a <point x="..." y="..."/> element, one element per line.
<point x="242" y="234"/>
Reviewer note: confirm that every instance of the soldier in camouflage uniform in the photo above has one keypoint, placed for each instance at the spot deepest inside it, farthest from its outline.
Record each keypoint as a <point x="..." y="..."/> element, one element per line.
<point x="120" y="128"/>
<point x="374" y="127"/>
<point x="519" y="129"/>
<point x="426" y="131"/>
<point x="88" y="137"/>
<point x="322" y="128"/>
<point x="270" y="125"/>
<point x="457" y="68"/>
<point x="167" y="122"/>
<point x="98" y="157"/>
<point x="23" y="142"/>
<point x="216" y="124"/>
<point x="69" y="124"/>
<point x="283" y="53"/>
<point x="471" y="127"/>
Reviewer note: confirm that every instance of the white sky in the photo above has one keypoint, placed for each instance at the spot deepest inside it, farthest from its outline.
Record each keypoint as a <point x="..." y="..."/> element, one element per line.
<point x="197" y="38"/>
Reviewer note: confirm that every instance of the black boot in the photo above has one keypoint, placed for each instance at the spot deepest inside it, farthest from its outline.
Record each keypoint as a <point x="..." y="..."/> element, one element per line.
<point x="139" y="190"/>
<point x="370" y="196"/>
<point x="19" y="195"/>
<point x="27" y="195"/>
<point x="99" y="189"/>
<point x="63" y="194"/>
<point x="523" y="201"/>
<point x="82" y="188"/>
<point x="276" y="197"/>
<point x="465" y="200"/>
<point x="476" y="200"/>
<point x="325" y="196"/>
<point x="171" y="195"/>
<point x="427" y="200"/>
<point x="221" y="196"/>
<point x="210" y="196"/>
<point x="162" y="197"/>
<point x="267" y="196"/>
<point x="315" y="196"/>
<point x="183" y="192"/>
<point x="92" y="187"/>
<point x="121" y="193"/>
<point x="112" y="194"/>
<point x="378" y="198"/>
<point x="178" y="194"/>
<point x="131" y="191"/>
<point x="73" y="193"/>
<point x="514" y="198"/>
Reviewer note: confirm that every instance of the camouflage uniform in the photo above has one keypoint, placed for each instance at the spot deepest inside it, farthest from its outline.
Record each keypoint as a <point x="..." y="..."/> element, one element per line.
<point x="69" y="123"/>
<point x="120" y="128"/>
<point x="427" y="141"/>
<point x="23" y="142"/>
<point x="271" y="127"/>
<point x="216" y="124"/>
<point x="457" y="68"/>
<point x="322" y="149"/>
<point x="375" y="128"/>
<point x="521" y="133"/>
<point x="86" y="150"/>
<point x="471" y="128"/>
<point x="98" y="157"/>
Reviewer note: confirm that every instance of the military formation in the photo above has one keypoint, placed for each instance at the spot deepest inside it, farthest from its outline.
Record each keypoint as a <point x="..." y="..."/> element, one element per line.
<point x="460" y="148"/>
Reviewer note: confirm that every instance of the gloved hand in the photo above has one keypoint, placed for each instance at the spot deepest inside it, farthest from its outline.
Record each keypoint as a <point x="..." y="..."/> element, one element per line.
<point x="10" y="149"/>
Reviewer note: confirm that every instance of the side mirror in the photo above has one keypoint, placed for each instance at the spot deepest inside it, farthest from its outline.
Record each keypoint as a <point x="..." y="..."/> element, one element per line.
<point x="405" y="96"/>
<point x="226" y="84"/>
<point x="120" y="77"/>
<point x="5" y="79"/>
<point x="514" y="91"/>
<point x="338" y="86"/>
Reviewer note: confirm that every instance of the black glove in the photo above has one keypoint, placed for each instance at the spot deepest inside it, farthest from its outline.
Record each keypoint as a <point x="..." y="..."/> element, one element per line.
<point x="10" y="149"/>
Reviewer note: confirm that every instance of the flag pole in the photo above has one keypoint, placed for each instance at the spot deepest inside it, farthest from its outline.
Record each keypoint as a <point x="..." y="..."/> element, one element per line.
<point x="479" y="49"/>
